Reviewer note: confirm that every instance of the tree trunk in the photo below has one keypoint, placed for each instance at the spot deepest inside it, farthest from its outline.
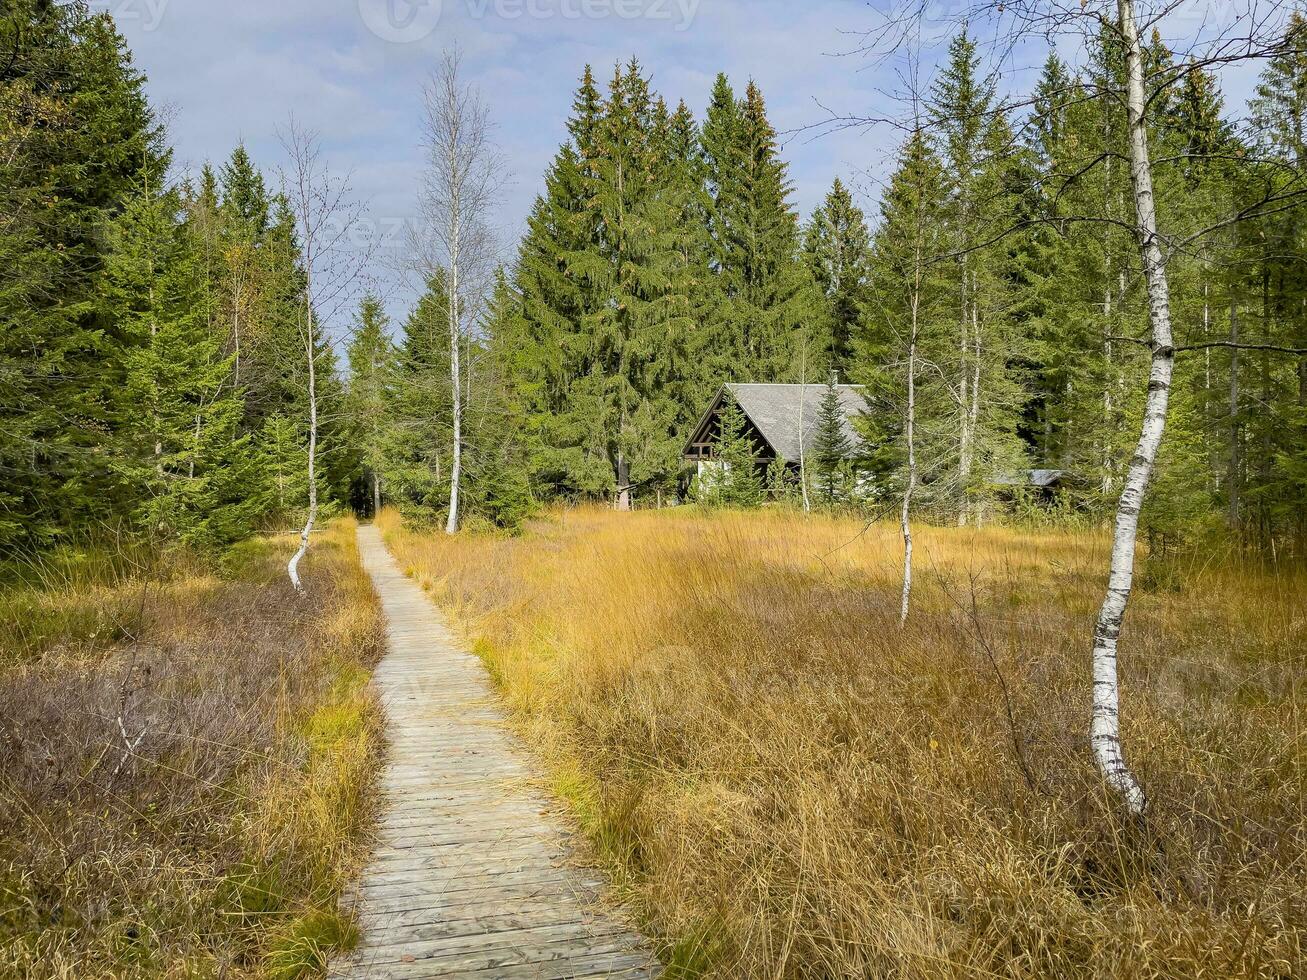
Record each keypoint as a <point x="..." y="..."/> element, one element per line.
<point x="1236" y="462"/>
<point x="1105" y="732"/>
<point x="965" y="397"/>
<point x="376" y="493"/>
<point x="236" y="331"/>
<point x="973" y="414"/>
<point x="1108" y="408"/>
<point x="195" y="449"/>
<point x="456" y="467"/>
<point x="803" y="450"/>
<point x="623" y="483"/>
<point x="905" y="524"/>
<point x="292" y="569"/>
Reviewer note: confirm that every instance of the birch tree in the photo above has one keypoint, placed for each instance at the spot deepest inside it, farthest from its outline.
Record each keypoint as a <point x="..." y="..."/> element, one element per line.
<point x="1154" y="246"/>
<point x="903" y="316"/>
<point x="326" y="219"/>
<point x="1254" y="32"/>
<point x="460" y="191"/>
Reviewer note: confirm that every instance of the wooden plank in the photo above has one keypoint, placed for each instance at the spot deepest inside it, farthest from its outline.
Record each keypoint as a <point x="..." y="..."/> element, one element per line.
<point x="472" y="875"/>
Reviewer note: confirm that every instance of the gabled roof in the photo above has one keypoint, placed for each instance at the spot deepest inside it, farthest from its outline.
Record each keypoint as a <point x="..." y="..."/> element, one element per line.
<point x="775" y="411"/>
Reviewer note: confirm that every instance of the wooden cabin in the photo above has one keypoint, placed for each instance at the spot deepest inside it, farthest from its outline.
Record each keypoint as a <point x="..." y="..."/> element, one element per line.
<point x="781" y="419"/>
<point x="1041" y="485"/>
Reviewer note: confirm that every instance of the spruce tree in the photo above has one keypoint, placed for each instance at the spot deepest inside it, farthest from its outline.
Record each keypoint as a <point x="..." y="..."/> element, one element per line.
<point x="837" y="246"/>
<point x="908" y="332"/>
<point x="78" y="131"/>
<point x="371" y="368"/>
<point x="733" y="480"/>
<point x="176" y="414"/>
<point x="768" y="301"/>
<point x="974" y="143"/>
<point x="831" y="446"/>
<point x="417" y="450"/>
<point x="610" y="285"/>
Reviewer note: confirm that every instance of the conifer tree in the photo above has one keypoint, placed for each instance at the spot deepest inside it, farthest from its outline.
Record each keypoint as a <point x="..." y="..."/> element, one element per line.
<point x="768" y="300"/>
<point x="733" y="480"/>
<point x="176" y="411"/>
<point x="906" y="336"/>
<point x="418" y="437"/>
<point x="831" y="445"/>
<point x="609" y="278"/>
<point x="371" y="367"/>
<point x="554" y="294"/>
<point x="837" y="246"/>
<point x="77" y="132"/>
<point x="974" y="143"/>
<point x="243" y="217"/>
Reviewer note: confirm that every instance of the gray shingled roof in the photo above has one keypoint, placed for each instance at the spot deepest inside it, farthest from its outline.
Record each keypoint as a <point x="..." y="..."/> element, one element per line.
<point x="1032" y="478"/>
<point x="774" y="411"/>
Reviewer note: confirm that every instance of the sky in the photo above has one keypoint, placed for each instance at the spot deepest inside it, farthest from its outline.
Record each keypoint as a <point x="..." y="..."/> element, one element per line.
<point x="235" y="71"/>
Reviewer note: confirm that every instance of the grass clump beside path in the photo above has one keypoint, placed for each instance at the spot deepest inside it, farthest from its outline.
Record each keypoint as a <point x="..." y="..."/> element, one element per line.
<point x="790" y="786"/>
<point x="186" y="765"/>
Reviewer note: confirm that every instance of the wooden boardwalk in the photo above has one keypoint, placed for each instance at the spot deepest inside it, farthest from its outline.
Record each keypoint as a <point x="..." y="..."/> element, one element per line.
<point x="470" y="877"/>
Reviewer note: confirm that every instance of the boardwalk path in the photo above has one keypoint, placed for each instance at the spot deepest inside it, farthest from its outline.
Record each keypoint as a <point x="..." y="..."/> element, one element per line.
<point x="470" y="876"/>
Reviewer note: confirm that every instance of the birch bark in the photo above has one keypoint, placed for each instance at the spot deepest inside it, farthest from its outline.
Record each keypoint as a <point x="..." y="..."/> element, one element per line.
<point x="456" y="465"/>
<point x="1105" y="730"/>
<point x="909" y="431"/>
<point x="292" y="569"/>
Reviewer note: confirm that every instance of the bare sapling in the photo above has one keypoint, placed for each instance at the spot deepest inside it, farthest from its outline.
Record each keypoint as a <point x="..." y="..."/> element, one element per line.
<point x="325" y="219"/>
<point x="460" y="191"/>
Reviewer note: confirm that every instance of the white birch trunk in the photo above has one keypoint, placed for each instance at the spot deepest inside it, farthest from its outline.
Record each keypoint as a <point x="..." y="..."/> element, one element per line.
<point x="236" y="327"/>
<point x="803" y="450"/>
<point x="964" y="398"/>
<point x="456" y="466"/>
<point x="1236" y="463"/>
<point x="1107" y="392"/>
<point x="623" y="483"/>
<point x="292" y="568"/>
<point x="973" y="412"/>
<point x="325" y="221"/>
<point x="905" y="522"/>
<point x="195" y="447"/>
<point x="1105" y="731"/>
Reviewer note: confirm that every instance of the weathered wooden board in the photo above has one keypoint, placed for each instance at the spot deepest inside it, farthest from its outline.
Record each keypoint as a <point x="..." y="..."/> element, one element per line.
<point x="471" y="875"/>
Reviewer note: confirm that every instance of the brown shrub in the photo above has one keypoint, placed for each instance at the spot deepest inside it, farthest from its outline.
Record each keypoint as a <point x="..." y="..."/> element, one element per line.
<point x="176" y="799"/>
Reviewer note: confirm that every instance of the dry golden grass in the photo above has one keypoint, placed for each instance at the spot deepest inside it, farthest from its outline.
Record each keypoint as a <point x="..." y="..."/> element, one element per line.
<point x="787" y="785"/>
<point x="215" y="837"/>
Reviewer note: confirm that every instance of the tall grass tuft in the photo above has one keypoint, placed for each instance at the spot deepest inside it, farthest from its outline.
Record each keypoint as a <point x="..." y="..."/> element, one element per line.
<point x="788" y="785"/>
